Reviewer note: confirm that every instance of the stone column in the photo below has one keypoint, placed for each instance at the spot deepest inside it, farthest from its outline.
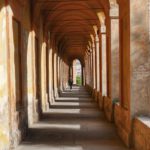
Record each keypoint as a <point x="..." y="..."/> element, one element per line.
<point x="70" y="71"/>
<point x="74" y="72"/>
<point x="94" y="66"/>
<point x="90" y="69"/>
<point x="104" y="64"/>
<point x="43" y="77"/>
<point x="58" y="74"/>
<point x="86" y="62"/>
<point x="51" y="95"/>
<point x="85" y="58"/>
<point x="61" y="75"/>
<point x="65" y="75"/>
<point x="47" y="75"/>
<point x="115" y="58"/>
<point x="82" y="76"/>
<point x="97" y="67"/>
<point x="55" y="76"/>
<point x="91" y="60"/>
<point x="5" y="100"/>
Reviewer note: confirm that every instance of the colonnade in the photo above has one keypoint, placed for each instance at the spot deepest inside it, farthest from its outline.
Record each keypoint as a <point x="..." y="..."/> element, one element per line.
<point x="35" y="58"/>
<point x="96" y="64"/>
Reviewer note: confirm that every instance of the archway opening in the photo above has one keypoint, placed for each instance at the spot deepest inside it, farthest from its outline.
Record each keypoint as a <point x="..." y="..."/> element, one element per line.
<point x="77" y="72"/>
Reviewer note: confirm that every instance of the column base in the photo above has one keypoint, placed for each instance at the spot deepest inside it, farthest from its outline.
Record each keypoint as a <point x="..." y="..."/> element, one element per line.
<point x="101" y="101"/>
<point x="123" y="122"/>
<point x="47" y="102"/>
<point x="36" y="111"/>
<point x="108" y="108"/>
<point x="94" y="94"/>
<point x="97" y="96"/>
<point x="90" y="90"/>
<point x="56" y="92"/>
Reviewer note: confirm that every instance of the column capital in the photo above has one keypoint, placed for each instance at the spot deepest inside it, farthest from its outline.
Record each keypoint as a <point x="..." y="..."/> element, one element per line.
<point x="93" y="45"/>
<point x="103" y="29"/>
<point x="114" y="10"/>
<point x="97" y="38"/>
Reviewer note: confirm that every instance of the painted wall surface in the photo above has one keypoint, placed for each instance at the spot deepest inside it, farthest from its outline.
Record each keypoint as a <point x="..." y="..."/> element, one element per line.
<point x="4" y="99"/>
<point x="13" y="123"/>
<point x="140" y="57"/>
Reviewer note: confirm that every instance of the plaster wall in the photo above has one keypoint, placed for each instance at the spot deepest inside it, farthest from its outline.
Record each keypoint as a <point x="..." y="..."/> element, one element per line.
<point x="140" y="57"/>
<point x="4" y="96"/>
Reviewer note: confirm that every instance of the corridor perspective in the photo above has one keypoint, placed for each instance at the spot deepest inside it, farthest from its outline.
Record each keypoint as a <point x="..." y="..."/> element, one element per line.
<point x="73" y="123"/>
<point x="74" y="74"/>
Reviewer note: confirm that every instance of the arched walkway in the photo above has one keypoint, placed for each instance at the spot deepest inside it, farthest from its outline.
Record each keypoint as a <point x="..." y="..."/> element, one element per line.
<point x="40" y="39"/>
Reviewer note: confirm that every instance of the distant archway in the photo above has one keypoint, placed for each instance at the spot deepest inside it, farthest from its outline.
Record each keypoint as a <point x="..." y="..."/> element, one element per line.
<point x="77" y="72"/>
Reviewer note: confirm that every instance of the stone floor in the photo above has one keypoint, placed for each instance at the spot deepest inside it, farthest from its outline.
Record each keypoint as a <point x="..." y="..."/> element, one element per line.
<point x="73" y="122"/>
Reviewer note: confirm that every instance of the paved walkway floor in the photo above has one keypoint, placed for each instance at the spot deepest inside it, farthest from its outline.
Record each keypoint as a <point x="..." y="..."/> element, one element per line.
<point x="73" y="122"/>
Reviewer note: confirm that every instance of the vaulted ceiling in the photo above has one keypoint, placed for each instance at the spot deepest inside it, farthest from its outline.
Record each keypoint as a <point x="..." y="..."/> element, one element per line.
<point x="71" y="22"/>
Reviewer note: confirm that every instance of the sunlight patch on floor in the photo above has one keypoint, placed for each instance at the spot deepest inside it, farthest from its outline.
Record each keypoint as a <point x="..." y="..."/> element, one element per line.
<point x="57" y="126"/>
<point x="69" y="111"/>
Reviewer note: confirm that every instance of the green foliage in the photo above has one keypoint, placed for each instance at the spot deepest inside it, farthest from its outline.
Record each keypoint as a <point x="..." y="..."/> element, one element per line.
<point x="116" y="100"/>
<point x="78" y="80"/>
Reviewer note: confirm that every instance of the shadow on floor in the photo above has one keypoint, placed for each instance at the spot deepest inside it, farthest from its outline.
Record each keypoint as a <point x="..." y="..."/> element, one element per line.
<point x="73" y="123"/>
